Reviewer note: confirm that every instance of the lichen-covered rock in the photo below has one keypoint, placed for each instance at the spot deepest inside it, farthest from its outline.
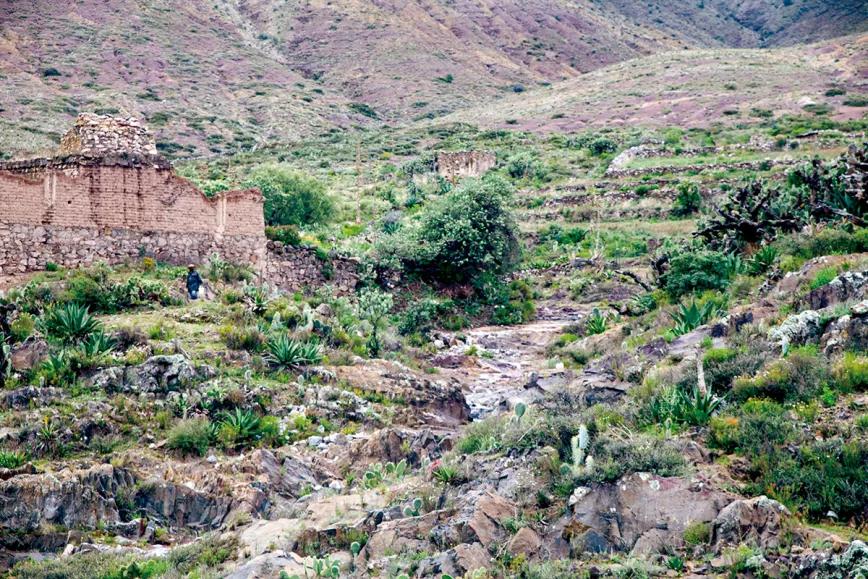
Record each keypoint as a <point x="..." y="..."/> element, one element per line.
<point x="759" y="520"/>
<point x="849" y="332"/>
<point x="850" y="285"/>
<point x="797" y="329"/>
<point x="628" y="515"/>
<point x="852" y="563"/>
<point x="157" y="375"/>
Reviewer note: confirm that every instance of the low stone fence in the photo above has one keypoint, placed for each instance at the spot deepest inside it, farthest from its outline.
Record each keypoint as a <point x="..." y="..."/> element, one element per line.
<point x="294" y="269"/>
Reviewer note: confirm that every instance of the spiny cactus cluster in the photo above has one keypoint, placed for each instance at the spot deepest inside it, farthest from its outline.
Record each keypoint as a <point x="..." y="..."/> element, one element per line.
<point x="582" y="463"/>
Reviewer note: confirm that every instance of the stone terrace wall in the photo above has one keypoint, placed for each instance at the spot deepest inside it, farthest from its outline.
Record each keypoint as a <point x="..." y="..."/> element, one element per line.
<point x="77" y="210"/>
<point x="465" y="164"/>
<point x="299" y="269"/>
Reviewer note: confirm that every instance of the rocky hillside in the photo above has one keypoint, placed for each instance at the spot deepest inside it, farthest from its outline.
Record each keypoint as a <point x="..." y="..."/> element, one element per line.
<point x="228" y="76"/>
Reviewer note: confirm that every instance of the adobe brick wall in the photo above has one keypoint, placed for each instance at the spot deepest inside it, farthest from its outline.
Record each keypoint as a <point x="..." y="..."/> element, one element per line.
<point x="451" y="166"/>
<point x="75" y="211"/>
<point x="107" y="197"/>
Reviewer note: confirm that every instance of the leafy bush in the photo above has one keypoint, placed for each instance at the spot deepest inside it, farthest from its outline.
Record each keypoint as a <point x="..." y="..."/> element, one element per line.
<point x="285" y="352"/>
<point x="601" y="146"/>
<point x="248" y="338"/>
<point x="823" y="277"/>
<point x="569" y="236"/>
<point x="467" y="232"/>
<point x="851" y="372"/>
<point x="756" y="429"/>
<point x="290" y="198"/>
<point x="697" y="270"/>
<point x="420" y="316"/>
<point x="513" y="303"/>
<point x="820" y="477"/>
<point x="70" y="323"/>
<point x="688" y="201"/>
<point x="191" y="436"/>
<point x="286" y="234"/>
<point x="723" y="365"/>
<point x="799" y="376"/>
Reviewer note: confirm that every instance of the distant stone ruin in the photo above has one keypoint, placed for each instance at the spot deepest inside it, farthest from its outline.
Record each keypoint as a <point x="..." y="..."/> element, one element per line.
<point x="98" y="136"/>
<point x="453" y="166"/>
<point x="107" y="196"/>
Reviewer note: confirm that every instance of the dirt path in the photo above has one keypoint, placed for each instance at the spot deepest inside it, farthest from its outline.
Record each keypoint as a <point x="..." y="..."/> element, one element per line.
<point x="507" y="356"/>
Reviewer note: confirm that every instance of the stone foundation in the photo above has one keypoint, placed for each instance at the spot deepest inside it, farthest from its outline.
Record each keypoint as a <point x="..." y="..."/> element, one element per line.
<point x="26" y="248"/>
<point x="300" y="269"/>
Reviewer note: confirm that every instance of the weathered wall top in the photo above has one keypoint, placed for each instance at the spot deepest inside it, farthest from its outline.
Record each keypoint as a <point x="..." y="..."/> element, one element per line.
<point x="464" y="164"/>
<point x="98" y="136"/>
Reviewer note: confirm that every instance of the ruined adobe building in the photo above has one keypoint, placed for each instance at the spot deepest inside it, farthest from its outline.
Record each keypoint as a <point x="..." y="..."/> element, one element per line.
<point x="453" y="166"/>
<point x="109" y="197"/>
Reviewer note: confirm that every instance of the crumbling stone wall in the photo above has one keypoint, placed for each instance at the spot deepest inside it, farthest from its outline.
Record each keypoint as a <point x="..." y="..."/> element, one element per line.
<point x="96" y="136"/>
<point x="300" y="268"/>
<point x="452" y="166"/>
<point x="108" y="197"/>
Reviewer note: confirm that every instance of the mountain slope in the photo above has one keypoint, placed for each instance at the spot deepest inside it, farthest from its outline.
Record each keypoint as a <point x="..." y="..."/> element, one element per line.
<point x="223" y="75"/>
<point x="693" y="88"/>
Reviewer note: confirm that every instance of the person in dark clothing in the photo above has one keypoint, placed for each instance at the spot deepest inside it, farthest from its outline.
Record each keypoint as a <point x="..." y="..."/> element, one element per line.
<point x="194" y="282"/>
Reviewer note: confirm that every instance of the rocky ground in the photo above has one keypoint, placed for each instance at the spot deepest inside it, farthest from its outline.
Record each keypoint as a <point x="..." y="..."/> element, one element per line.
<point x="449" y="459"/>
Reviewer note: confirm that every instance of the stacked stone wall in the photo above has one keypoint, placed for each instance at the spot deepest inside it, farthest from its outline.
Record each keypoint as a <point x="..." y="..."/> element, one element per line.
<point x="301" y="268"/>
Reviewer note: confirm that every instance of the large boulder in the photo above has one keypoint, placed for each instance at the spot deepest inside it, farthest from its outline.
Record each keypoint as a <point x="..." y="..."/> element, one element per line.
<point x="849" y="286"/>
<point x="849" y="332"/>
<point x="797" y="329"/>
<point x="640" y="513"/>
<point x="157" y="375"/>
<point x="759" y="521"/>
<point x="80" y="499"/>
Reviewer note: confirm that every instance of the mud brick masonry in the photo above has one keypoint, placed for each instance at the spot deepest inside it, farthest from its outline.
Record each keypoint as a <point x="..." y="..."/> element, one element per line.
<point x="109" y="197"/>
<point x="455" y="165"/>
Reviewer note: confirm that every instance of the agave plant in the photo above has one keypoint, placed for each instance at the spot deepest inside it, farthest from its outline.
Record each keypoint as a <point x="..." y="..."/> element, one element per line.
<point x="285" y="352"/>
<point x="763" y="260"/>
<point x="57" y="369"/>
<point x="689" y="317"/>
<point x="256" y="300"/>
<point x="697" y="407"/>
<point x="96" y="344"/>
<point x="596" y="323"/>
<point x="239" y="426"/>
<point x="70" y="323"/>
<point x="12" y="458"/>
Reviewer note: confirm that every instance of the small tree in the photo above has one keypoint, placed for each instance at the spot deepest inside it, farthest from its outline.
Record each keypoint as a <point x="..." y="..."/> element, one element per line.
<point x="290" y="198"/>
<point x="463" y="234"/>
<point x="374" y="306"/>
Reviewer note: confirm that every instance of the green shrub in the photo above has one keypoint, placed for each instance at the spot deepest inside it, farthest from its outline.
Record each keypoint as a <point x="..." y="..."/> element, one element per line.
<point x="248" y="338"/>
<point x="465" y="233"/>
<point x="798" y="377"/>
<point x="688" y="200"/>
<point x="190" y="437"/>
<point x="602" y="145"/>
<point x="697" y="533"/>
<point x="22" y="327"/>
<point x="824" y="277"/>
<point x="286" y="234"/>
<point x="820" y="477"/>
<point x="758" y="428"/>
<point x="723" y="365"/>
<point x="827" y="241"/>
<point x="851" y="372"/>
<point x="696" y="271"/>
<point x="290" y="198"/>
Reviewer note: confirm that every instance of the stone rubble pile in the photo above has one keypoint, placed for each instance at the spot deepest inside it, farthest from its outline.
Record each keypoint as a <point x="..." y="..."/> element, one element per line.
<point x="97" y="135"/>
